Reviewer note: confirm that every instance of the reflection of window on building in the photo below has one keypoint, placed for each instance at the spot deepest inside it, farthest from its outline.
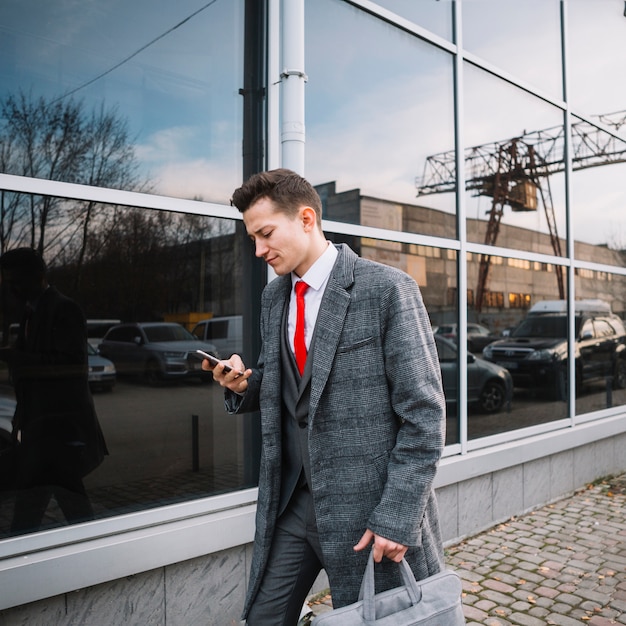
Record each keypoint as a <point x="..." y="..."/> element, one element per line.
<point x="542" y="267"/>
<point x="494" y="299"/>
<point x="520" y="263"/>
<point x="426" y="251"/>
<point x="584" y="273"/>
<point x="519" y="300"/>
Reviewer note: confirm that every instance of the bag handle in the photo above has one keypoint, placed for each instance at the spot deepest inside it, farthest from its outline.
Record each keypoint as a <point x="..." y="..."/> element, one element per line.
<point x="368" y="591"/>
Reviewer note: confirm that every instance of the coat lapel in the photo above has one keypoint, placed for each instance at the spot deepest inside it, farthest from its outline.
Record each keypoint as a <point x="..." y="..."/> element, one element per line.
<point x="329" y="325"/>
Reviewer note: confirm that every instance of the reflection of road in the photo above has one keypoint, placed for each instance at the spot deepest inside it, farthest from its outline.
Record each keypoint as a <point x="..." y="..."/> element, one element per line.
<point x="528" y="409"/>
<point x="149" y="430"/>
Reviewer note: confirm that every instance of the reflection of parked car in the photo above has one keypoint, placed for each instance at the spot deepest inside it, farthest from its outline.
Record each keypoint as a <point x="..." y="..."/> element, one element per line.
<point x="477" y="336"/>
<point x="102" y="373"/>
<point x="224" y="332"/>
<point x="536" y="351"/>
<point x="97" y="329"/>
<point x="155" y="350"/>
<point x="489" y="386"/>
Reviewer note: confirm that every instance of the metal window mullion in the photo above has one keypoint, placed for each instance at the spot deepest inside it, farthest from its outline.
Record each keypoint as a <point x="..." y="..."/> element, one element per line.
<point x="567" y="158"/>
<point x="461" y="226"/>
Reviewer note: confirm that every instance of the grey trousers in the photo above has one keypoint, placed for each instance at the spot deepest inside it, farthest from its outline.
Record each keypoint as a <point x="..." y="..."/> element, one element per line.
<point x="294" y="563"/>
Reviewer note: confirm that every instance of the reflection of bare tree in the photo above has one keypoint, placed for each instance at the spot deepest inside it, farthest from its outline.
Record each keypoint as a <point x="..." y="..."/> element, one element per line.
<point x="119" y="262"/>
<point x="59" y="140"/>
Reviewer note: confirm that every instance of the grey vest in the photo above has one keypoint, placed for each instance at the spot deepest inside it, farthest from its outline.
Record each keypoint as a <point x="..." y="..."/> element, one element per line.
<point x="296" y="394"/>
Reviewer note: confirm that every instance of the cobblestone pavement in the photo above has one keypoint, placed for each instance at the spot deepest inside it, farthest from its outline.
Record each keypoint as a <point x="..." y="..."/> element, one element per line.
<point x="563" y="564"/>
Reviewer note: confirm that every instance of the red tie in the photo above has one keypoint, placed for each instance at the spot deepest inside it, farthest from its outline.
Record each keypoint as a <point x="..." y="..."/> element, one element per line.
<point x="298" y="341"/>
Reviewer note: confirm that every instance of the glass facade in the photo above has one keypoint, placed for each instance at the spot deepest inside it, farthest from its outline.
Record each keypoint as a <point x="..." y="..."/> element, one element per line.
<point x="489" y="171"/>
<point x="167" y="277"/>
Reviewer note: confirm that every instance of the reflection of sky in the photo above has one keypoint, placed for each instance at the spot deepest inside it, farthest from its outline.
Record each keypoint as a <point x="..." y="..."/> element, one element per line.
<point x="597" y="53"/>
<point x="435" y="16"/>
<point x="379" y="101"/>
<point x="522" y="38"/>
<point x="179" y="95"/>
<point x="377" y="108"/>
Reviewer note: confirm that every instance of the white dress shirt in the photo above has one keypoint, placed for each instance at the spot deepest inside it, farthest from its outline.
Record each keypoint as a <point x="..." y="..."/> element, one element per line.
<point x="317" y="279"/>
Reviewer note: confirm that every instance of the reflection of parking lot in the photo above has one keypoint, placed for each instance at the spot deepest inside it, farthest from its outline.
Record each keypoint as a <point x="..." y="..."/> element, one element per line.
<point x="530" y="408"/>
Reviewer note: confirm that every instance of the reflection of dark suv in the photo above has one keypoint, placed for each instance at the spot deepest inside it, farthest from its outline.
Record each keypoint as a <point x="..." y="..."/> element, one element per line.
<point x="536" y="351"/>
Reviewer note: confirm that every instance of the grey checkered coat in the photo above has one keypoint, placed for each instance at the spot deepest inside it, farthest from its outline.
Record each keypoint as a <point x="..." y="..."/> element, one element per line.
<point x="376" y="423"/>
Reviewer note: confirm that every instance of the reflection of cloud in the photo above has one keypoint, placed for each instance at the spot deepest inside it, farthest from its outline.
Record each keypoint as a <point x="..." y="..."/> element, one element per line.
<point x="165" y="144"/>
<point x="375" y="140"/>
<point x="175" y="172"/>
<point x="200" y="179"/>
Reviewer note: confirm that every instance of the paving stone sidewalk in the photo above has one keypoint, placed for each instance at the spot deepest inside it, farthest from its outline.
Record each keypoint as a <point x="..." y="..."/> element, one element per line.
<point x="563" y="564"/>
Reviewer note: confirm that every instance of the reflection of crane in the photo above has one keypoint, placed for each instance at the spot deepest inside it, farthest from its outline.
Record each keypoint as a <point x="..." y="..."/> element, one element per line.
<point x="516" y="172"/>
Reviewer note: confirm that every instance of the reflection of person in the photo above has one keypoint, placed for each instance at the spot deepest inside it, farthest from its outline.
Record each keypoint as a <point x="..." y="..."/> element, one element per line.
<point x="350" y="446"/>
<point x="55" y="421"/>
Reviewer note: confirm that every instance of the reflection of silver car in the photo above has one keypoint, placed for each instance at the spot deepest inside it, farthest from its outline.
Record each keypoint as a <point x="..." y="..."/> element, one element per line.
<point x="102" y="374"/>
<point x="489" y="386"/>
<point x="155" y="350"/>
<point x="226" y="333"/>
<point x="478" y="336"/>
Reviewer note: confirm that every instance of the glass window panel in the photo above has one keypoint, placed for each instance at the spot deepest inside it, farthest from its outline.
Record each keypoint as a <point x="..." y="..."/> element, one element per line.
<point x="160" y="274"/>
<point x="598" y="196"/>
<point x="522" y="38"/>
<point x="601" y="341"/>
<point x="435" y="15"/>
<point x="514" y="167"/>
<point x="528" y="347"/>
<point x="596" y="52"/>
<point x="151" y="84"/>
<point x="374" y="113"/>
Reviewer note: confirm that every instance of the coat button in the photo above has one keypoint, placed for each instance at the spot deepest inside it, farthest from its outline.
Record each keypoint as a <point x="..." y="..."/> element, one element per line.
<point x="302" y="424"/>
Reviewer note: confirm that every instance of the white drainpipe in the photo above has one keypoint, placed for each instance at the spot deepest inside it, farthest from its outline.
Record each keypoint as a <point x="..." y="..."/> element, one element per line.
<point x="293" y="78"/>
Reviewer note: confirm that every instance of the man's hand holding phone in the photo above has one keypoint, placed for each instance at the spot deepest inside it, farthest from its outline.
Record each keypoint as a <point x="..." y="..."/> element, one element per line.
<point x="230" y="373"/>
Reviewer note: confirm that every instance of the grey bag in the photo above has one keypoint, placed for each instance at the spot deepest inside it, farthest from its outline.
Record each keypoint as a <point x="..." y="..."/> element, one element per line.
<point x="434" y="601"/>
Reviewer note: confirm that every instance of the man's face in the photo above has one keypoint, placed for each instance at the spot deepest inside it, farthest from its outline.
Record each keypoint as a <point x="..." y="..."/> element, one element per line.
<point x="282" y="241"/>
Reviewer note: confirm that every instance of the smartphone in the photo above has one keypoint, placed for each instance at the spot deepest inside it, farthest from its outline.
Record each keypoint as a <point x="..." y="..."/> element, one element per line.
<point x="213" y="360"/>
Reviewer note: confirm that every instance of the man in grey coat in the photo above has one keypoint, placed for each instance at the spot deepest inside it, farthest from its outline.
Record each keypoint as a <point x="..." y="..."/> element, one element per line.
<point x="352" y="431"/>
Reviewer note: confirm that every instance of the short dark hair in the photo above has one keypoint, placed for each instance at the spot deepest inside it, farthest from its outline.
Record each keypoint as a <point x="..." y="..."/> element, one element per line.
<point x="286" y="189"/>
<point x="26" y="260"/>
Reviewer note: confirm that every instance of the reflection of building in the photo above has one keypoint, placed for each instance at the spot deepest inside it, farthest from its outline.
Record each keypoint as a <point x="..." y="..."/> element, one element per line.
<point x="515" y="284"/>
